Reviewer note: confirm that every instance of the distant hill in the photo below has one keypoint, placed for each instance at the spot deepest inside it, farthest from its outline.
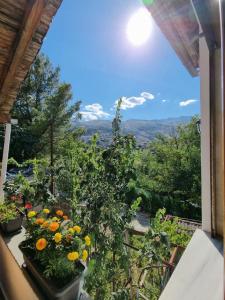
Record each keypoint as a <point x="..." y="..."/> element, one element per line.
<point x="143" y="130"/>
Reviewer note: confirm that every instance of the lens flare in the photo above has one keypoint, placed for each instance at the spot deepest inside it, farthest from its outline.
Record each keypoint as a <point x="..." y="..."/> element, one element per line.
<point x="139" y="27"/>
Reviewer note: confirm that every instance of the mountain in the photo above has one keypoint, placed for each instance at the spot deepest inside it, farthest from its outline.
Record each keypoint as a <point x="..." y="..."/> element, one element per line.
<point x="143" y="130"/>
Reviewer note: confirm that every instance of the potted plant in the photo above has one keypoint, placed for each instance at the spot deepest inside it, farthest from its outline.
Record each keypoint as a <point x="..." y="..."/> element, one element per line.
<point x="10" y="218"/>
<point x="55" y="251"/>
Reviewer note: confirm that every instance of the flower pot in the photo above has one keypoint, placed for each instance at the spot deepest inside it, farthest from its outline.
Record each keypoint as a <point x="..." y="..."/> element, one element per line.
<point x="71" y="291"/>
<point x="12" y="226"/>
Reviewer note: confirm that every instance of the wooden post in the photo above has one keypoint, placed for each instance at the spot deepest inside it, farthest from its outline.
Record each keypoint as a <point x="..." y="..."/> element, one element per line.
<point x="5" y="160"/>
<point x="222" y="32"/>
<point x="52" y="189"/>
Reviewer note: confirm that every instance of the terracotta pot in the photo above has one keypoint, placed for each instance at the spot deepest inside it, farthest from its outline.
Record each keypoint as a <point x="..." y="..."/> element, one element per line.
<point x="71" y="291"/>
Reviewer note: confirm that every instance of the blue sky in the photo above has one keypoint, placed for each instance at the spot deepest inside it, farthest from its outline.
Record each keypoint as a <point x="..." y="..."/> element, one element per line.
<point x="88" y="40"/>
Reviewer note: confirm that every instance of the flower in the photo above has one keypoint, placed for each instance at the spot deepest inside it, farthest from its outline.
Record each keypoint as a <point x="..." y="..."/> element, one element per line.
<point x="46" y="211"/>
<point x="55" y="219"/>
<point x="87" y="240"/>
<point x="71" y="230"/>
<point x="39" y="221"/>
<point x="41" y="244"/>
<point x="31" y="214"/>
<point x="59" y="213"/>
<point x="53" y="226"/>
<point x="45" y="224"/>
<point x="58" y="237"/>
<point x="84" y="255"/>
<point x="77" y="229"/>
<point x="65" y="217"/>
<point x="73" y="256"/>
<point x="28" y="205"/>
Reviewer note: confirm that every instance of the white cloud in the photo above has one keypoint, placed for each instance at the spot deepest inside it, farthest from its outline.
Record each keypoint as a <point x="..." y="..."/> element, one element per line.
<point x="187" y="102"/>
<point x="88" y="116"/>
<point x="147" y="95"/>
<point x="94" y="112"/>
<point x="164" y="100"/>
<point x="130" y="102"/>
<point x="133" y="101"/>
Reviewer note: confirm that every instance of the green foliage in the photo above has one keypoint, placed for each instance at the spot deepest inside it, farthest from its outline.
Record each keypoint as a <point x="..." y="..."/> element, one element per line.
<point x="8" y="212"/>
<point x="169" y="173"/>
<point x="101" y="178"/>
<point x="177" y="234"/>
<point x="34" y="189"/>
<point x="43" y="111"/>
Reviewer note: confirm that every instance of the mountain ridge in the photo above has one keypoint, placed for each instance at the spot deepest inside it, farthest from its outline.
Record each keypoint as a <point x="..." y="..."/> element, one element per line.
<point x="143" y="130"/>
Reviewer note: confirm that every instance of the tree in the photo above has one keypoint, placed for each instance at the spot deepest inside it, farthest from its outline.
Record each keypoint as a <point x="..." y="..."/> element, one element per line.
<point x="169" y="173"/>
<point x="43" y="111"/>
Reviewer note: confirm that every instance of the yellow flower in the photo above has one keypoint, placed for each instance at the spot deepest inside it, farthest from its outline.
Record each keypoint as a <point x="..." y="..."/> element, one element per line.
<point x="46" y="211"/>
<point x="87" y="240"/>
<point x="73" y="256"/>
<point x="84" y="255"/>
<point x="59" y="213"/>
<point x="39" y="221"/>
<point x="31" y="214"/>
<point x="58" y="237"/>
<point x="71" y="230"/>
<point x="55" y="219"/>
<point x="53" y="226"/>
<point x="41" y="244"/>
<point x="77" y="229"/>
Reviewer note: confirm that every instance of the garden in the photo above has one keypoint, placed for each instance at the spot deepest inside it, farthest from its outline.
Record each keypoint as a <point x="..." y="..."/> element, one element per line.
<point x="76" y="199"/>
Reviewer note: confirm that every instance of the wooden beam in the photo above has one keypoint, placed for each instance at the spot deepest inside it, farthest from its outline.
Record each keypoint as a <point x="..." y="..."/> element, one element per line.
<point x="31" y="20"/>
<point x="4" y="118"/>
<point x="204" y="15"/>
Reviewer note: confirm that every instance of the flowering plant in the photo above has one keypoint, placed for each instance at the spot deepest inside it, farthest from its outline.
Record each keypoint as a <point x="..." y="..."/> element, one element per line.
<point x="56" y="244"/>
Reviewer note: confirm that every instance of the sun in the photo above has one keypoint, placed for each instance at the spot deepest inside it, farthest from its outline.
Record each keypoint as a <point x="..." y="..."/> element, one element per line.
<point x="139" y="27"/>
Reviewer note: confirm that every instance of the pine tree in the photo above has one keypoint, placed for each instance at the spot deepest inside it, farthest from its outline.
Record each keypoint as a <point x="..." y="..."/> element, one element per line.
<point x="43" y="111"/>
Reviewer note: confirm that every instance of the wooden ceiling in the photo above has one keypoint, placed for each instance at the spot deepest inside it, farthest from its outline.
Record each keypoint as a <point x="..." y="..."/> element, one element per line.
<point x="23" y="26"/>
<point x="177" y="20"/>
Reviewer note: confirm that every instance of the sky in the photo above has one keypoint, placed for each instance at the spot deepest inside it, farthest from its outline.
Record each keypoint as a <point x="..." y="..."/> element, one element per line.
<point x="88" y="40"/>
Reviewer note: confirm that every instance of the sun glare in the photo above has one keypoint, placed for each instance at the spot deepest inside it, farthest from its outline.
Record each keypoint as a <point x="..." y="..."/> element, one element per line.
<point x="139" y="27"/>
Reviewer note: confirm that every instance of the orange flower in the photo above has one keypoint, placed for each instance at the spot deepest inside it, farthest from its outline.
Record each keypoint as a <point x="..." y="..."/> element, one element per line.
<point x="53" y="226"/>
<point x="65" y="217"/>
<point x="59" y="213"/>
<point x="41" y="244"/>
<point x="39" y="221"/>
<point x="45" y="224"/>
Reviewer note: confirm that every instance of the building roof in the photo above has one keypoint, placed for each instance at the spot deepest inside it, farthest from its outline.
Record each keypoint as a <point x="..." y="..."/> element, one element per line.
<point x="177" y="20"/>
<point x="23" y="26"/>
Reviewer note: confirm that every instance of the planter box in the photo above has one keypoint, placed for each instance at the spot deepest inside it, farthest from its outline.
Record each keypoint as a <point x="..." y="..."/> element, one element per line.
<point x="12" y="226"/>
<point x="70" y="291"/>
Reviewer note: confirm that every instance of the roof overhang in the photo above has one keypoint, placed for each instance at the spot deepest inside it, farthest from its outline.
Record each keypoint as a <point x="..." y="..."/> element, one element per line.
<point x="23" y="26"/>
<point x="183" y="22"/>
